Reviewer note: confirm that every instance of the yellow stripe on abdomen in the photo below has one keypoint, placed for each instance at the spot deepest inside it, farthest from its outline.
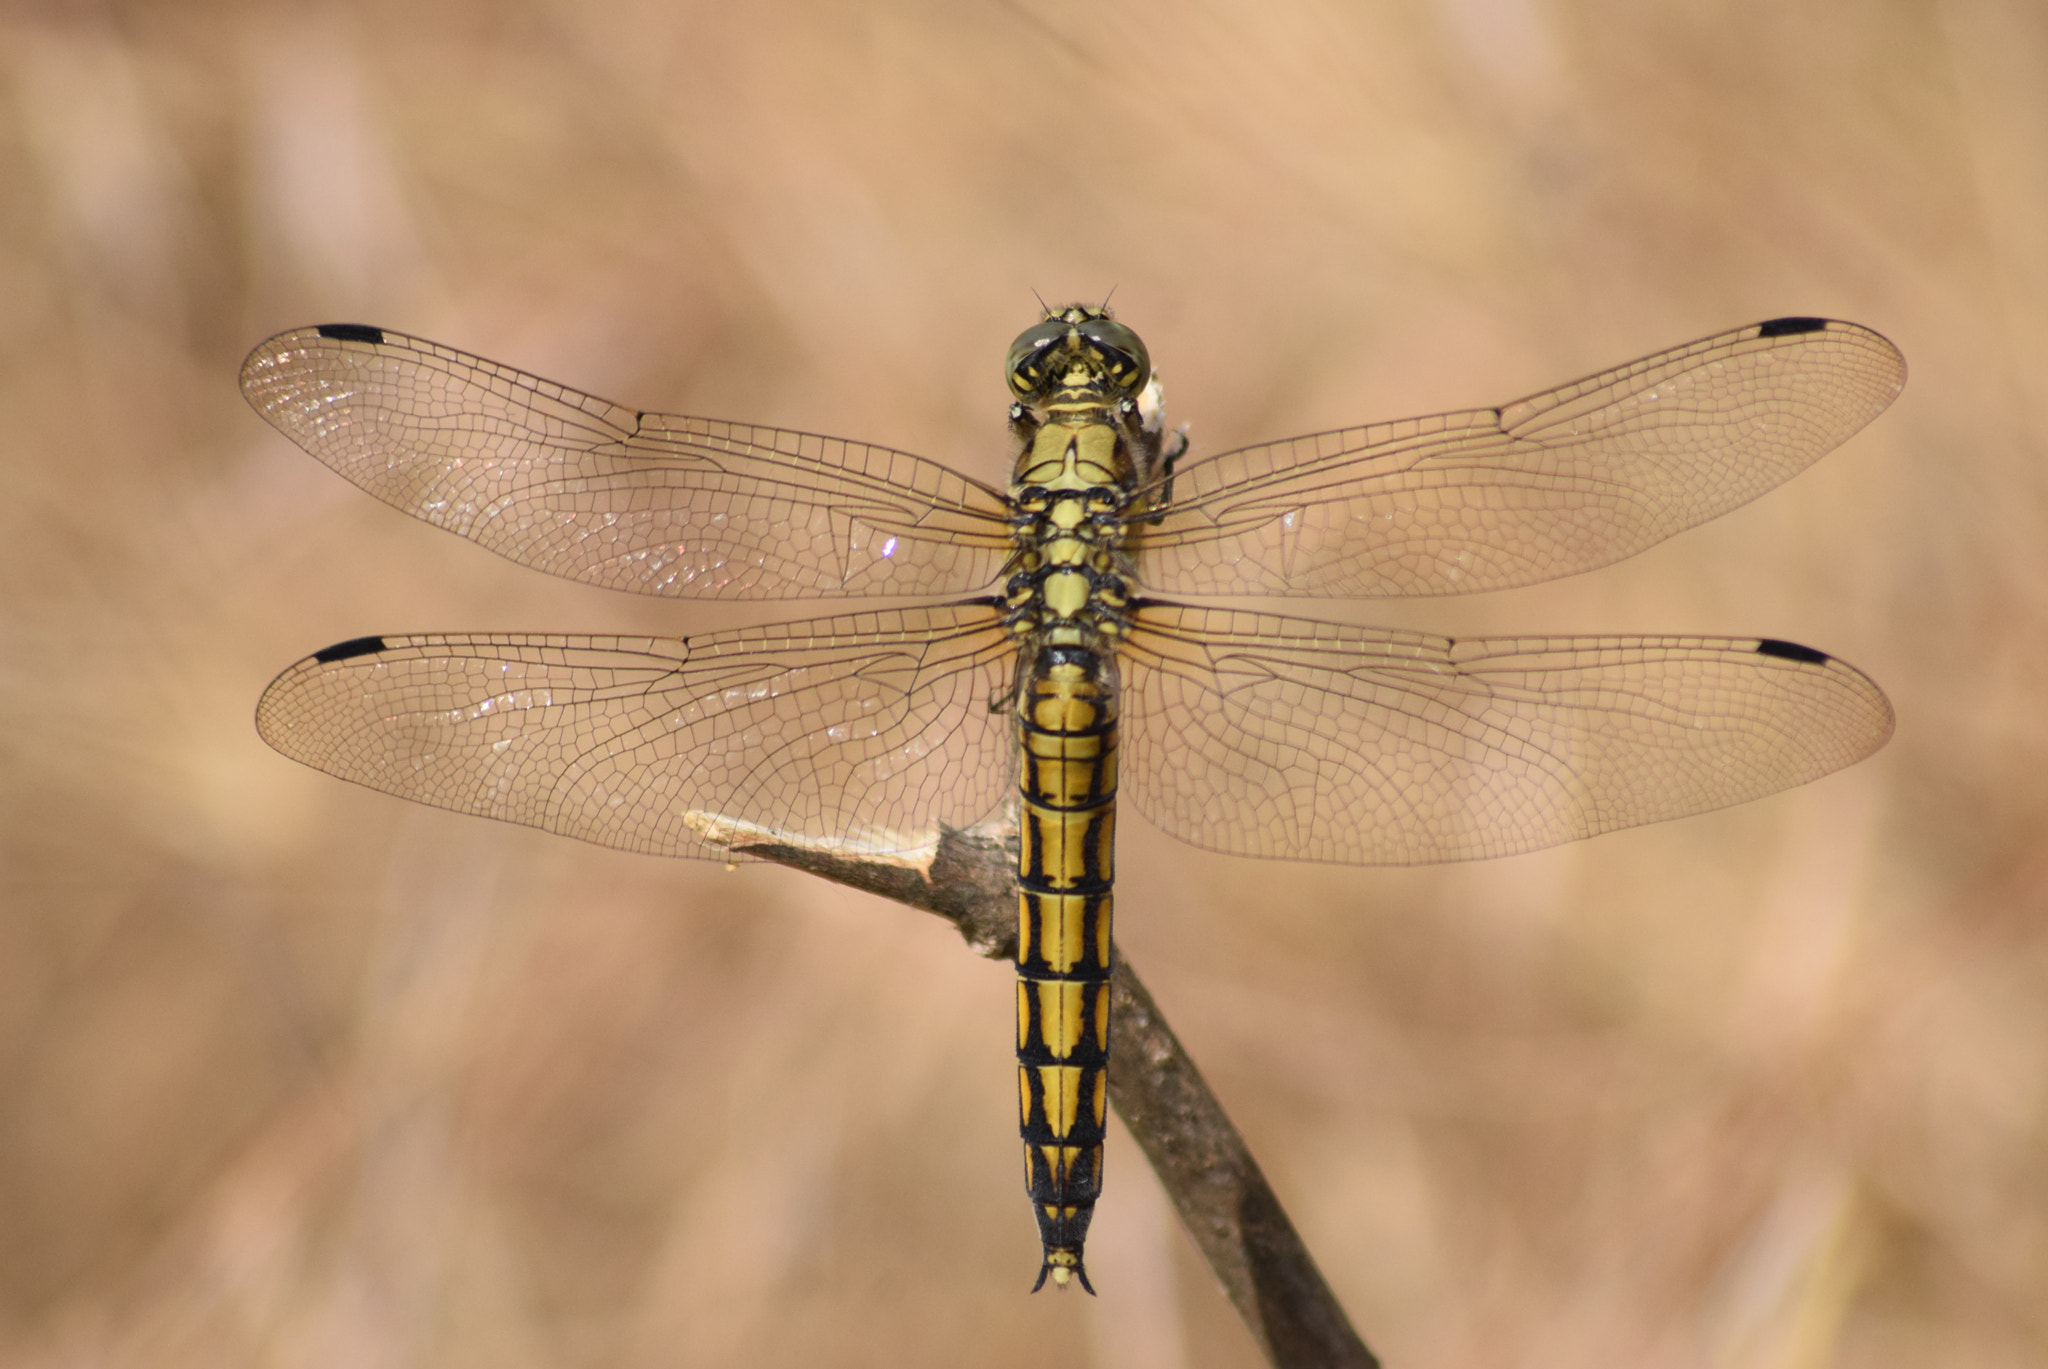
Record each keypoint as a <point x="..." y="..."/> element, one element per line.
<point x="1066" y="866"/>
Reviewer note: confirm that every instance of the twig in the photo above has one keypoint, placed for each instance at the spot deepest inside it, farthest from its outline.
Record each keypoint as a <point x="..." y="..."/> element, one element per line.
<point x="967" y="877"/>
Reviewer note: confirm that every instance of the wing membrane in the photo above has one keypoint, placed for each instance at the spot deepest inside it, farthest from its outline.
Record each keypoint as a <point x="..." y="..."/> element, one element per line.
<point x="1554" y="484"/>
<point x="1259" y="735"/>
<point x="656" y="503"/>
<point x="865" y="729"/>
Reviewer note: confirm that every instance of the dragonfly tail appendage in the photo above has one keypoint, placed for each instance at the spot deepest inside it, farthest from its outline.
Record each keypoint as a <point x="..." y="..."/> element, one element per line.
<point x="1068" y="732"/>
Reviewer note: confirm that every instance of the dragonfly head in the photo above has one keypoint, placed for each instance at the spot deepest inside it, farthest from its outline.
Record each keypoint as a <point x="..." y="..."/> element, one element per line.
<point x="1078" y="352"/>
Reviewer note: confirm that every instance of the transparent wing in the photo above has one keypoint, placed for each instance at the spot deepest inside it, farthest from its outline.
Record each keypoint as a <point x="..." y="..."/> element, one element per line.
<point x="1557" y="483"/>
<point x="1258" y="735"/>
<point x="582" y="488"/>
<point x="863" y="730"/>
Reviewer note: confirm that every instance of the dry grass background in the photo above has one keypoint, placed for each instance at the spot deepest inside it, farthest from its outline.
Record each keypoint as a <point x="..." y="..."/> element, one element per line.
<point x="295" y="1074"/>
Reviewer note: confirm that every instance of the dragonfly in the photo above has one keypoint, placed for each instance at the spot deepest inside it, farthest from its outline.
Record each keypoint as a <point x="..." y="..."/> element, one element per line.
<point x="1019" y="643"/>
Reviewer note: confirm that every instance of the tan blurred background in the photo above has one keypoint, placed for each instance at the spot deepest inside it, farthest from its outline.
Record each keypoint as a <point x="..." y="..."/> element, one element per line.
<point x="295" y="1074"/>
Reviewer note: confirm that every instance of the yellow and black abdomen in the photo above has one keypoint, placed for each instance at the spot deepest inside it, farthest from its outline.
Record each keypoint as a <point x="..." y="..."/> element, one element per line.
<point x="1067" y="729"/>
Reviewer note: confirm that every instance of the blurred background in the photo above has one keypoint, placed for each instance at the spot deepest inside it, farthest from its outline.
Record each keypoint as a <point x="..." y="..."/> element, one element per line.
<point x="295" y="1074"/>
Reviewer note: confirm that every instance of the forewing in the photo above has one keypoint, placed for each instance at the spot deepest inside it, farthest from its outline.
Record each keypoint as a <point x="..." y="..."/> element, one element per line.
<point x="1258" y="735"/>
<point x="1554" y="484"/>
<point x="860" y="731"/>
<point x="655" y="503"/>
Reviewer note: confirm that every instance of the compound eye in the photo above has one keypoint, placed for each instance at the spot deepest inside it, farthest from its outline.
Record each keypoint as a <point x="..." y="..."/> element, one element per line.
<point x="1026" y="365"/>
<point x="1129" y="364"/>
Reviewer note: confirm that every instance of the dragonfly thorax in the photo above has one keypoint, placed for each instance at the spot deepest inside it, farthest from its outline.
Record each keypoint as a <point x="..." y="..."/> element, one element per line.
<point x="1068" y="574"/>
<point x="1084" y="449"/>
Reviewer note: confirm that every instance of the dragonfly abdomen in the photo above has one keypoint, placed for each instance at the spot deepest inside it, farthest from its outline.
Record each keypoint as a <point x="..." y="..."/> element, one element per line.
<point x="1067" y="735"/>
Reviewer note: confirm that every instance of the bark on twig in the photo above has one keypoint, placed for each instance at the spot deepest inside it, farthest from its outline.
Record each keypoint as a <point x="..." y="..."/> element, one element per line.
<point x="969" y="879"/>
